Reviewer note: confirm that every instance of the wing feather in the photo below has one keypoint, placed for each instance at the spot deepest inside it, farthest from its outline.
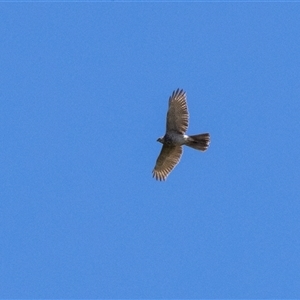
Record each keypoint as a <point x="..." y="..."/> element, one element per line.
<point x="166" y="161"/>
<point x="178" y="116"/>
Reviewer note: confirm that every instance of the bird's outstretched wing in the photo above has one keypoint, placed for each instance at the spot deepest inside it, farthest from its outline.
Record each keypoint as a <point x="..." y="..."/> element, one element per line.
<point x="166" y="161"/>
<point x="177" y="116"/>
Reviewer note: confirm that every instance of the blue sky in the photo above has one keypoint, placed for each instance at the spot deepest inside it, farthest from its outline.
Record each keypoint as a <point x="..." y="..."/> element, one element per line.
<point x="83" y="98"/>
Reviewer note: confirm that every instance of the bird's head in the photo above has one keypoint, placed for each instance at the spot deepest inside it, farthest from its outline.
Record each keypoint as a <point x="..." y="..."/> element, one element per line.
<point x="160" y="139"/>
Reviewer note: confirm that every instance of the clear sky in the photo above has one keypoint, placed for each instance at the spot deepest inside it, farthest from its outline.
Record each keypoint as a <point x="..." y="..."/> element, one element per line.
<point x="83" y="98"/>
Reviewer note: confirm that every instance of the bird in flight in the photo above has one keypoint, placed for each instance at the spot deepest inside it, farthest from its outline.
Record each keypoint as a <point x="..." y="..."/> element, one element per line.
<point x="175" y="137"/>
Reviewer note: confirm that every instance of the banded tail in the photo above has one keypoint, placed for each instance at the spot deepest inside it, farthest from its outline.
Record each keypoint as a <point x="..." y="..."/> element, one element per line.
<point x="198" y="141"/>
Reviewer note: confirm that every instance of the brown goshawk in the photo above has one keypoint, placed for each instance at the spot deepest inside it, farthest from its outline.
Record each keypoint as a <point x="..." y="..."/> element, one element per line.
<point x="175" y="137"/>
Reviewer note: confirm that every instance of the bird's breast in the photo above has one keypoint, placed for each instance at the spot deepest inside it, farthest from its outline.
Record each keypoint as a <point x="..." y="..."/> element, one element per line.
<point x="174" y="139"/>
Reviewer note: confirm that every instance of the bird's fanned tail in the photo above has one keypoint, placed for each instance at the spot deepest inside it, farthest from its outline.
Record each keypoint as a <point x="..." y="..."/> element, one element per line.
<point x="199" y="141"/>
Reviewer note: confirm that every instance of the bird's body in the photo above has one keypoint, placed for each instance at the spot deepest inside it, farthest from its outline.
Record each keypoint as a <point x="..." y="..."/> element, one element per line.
<point x="175" y="137"/>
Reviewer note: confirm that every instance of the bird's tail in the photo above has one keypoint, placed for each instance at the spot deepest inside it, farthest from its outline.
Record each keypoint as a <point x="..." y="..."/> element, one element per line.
<point x="199" y="141"/>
